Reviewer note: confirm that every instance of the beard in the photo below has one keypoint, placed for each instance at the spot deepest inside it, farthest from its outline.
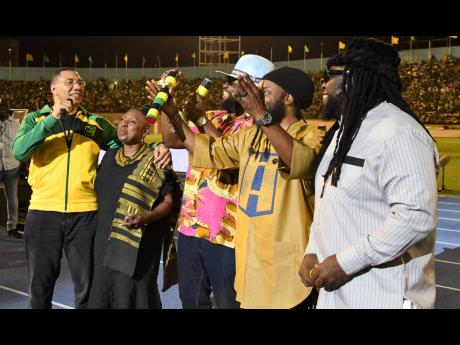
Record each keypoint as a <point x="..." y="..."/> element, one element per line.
<point x="277" y="111"/>
<point x="232" y="106"/>
<point x="334" y="106"/>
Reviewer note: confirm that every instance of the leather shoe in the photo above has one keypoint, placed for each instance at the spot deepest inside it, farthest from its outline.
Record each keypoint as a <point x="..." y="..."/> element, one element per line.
<point x="14" y="233"/>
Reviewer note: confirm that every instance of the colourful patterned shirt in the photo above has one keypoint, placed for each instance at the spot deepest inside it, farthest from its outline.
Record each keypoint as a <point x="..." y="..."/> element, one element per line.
<point x="210" y="195"/>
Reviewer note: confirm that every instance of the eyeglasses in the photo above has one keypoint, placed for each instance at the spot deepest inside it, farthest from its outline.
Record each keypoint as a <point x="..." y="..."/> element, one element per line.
<point x="71" y="82"/>
<point x="230" y="79"/>
<point x="330" y="73"/>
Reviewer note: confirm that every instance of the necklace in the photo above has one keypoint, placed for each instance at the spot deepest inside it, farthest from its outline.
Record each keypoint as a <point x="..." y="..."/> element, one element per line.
<point x="122" y="160"/>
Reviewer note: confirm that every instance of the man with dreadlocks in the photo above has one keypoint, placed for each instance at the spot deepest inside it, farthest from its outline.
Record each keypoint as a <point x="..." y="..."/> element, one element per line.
<point x="274" y="211"/>
<point x="373" y="233"/>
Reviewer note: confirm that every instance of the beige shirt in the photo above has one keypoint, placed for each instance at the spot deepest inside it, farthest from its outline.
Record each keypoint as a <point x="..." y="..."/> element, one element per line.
<point x="274" y="214"/>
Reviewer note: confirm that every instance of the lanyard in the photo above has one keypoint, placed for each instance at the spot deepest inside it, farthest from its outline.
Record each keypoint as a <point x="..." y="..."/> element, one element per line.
<point x="68" y="134"/>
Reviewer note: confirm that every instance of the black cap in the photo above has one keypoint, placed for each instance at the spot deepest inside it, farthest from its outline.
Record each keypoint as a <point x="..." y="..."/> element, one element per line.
<point x="295" y="82"/>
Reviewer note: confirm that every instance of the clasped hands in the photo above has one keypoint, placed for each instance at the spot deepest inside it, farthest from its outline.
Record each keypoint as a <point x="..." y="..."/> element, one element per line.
<point x="327" y="274"/>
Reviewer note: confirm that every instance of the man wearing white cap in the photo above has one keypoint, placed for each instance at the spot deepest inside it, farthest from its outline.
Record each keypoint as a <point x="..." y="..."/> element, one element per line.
<point x="206" y="254"/>
<point x="275" y="160"/>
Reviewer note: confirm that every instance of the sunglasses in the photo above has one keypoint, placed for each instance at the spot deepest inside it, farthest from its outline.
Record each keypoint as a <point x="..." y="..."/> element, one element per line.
<point x="230" y="79"/>
<point x="331" y="73"/>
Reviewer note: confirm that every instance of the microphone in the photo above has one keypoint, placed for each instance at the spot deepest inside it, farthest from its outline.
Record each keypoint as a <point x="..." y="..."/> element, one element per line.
<point x="161" y="97"/>
<point x="204" y="87"/>
<point x="63" y="112"/>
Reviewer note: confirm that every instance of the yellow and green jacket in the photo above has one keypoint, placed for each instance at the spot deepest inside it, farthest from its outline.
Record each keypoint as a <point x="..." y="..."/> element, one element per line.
<point x="61" y="175"/>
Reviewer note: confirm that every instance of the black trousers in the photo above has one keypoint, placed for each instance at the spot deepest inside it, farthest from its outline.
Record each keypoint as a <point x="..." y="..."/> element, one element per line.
<point x="47" y="234"/>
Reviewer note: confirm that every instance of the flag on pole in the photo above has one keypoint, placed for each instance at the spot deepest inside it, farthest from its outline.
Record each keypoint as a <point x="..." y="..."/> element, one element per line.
<point x="394" y="40"/>
<point x="126" y="66"/>
<point x="305" y="51"/>
<point x="177" y="57"/>
<point x="45" y="59"/>
<point x="289" y="49"/>
<point x="75" y="58"/>
<point x="412" y="38"/>
<point x="226" y="55"/>
<point x="193" y="56"/>
<point x="453" y="36"/>
<point x="90" y="59"/>
<point x="341" y="45"/>
<point x="29" y="57"/>
<point x="242" y="52"/>
<point x="143" y="60"/>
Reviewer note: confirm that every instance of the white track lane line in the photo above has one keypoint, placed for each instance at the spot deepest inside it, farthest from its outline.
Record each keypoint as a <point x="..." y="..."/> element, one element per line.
<point x="452" y="244"/>
<point x="452" y="219"/>
<point x="443" y="209"/>
<point x="448" y="262"/>
<point x="57" y="304"/>
<point x="443" y="229"/>
<point x="448" y="203"/>
<point x="447" y="287"/>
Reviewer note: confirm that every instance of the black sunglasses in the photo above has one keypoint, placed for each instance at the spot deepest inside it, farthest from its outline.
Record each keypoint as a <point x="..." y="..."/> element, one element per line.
<point x="330" y="73"/>
<point x="230" y="79"/>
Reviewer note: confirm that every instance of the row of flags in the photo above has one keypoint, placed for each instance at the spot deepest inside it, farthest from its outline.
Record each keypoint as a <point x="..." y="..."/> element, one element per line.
<point x="46" y="59"/>
<point x="226" y="55"/>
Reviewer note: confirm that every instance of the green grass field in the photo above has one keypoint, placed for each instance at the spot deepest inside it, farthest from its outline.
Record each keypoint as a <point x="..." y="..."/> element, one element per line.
<point x="451" y="148"/>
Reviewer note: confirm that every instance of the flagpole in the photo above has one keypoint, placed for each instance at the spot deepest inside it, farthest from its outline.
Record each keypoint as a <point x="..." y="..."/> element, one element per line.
<point x="450" y="46"/>
<point x="321" y="57"/>
<point x="116" y="67"/>
<point x="90" y="74"/>
<point x="9" y="63"/>
<point x="126" y="69"/>
<point x="429" y="49"/>
<point x="288" y="55"/>
<point x="60" y="60"/>
<point x="304" y="60"/>
<point x="410" y="50"/>
<point x="271" y="54"/>
<point x="143" y="69"/>
<point x="43" y="68"/>
<point x="159" y="66"/>
<point x="105" y="66"/>
<point x="27" y="67"/>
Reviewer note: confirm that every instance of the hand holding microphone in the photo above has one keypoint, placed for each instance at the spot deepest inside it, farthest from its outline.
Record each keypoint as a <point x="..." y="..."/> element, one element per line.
<point x="60" y="110"/>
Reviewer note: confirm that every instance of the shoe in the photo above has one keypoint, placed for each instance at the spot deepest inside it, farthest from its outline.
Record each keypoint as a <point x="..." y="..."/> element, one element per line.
<point x="14" y="233"/>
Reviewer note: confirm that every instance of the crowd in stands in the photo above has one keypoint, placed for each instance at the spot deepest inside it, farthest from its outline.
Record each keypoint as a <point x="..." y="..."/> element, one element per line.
<point x="432" y="88"/>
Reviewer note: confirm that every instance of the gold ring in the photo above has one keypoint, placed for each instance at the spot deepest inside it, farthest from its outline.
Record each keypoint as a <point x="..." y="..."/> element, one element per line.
<point x="312" y="272"/>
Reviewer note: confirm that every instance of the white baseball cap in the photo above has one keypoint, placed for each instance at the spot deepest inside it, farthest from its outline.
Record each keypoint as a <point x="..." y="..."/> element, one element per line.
<point x="254" y="65"/>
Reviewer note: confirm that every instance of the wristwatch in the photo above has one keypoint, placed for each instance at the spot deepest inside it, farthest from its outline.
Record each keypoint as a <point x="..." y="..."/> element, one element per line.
<point x="202" y="121"/>
<point x="265" y="120"/>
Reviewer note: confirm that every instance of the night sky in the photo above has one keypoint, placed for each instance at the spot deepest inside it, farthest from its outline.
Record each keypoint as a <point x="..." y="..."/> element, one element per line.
<point x="102" y="49"/>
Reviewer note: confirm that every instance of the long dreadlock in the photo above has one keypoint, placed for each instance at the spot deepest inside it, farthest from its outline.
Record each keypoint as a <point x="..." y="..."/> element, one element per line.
<point x="371" y="77"/>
